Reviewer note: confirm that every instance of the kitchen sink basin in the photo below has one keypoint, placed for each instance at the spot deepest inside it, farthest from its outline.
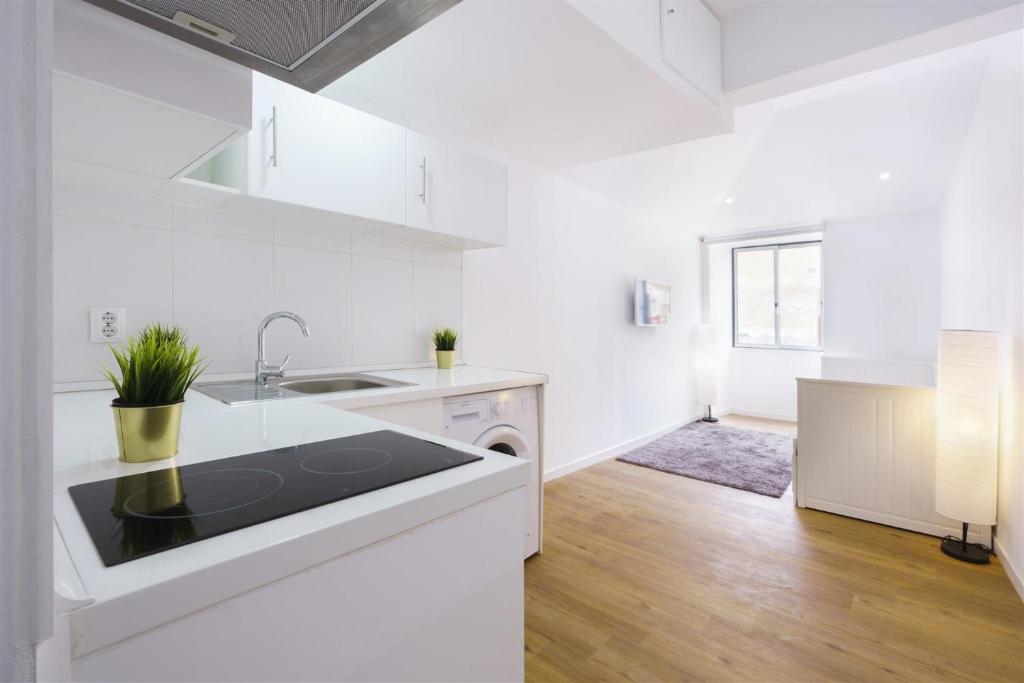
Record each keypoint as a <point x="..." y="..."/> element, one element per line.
<point x="247" y="391"/>
<point x="327" y="384"/>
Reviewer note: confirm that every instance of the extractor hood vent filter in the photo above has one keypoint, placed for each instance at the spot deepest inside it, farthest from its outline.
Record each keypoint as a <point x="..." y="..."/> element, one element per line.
<point x="283" y="33"/>
<point x="308" y="43"/>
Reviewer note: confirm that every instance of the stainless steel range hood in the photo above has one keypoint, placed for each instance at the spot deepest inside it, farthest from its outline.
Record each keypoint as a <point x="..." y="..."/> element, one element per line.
<point x="308" y="43"/>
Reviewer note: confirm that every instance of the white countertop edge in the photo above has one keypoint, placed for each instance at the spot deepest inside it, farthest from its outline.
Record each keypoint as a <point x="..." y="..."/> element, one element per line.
<point x="391" y="395"/>
<point x="100" y="383"/>
<point x="515" y="378"/>
<point x="854" y="383"/>
<point x="106" y="622"/>
<point x="163" y="587"/>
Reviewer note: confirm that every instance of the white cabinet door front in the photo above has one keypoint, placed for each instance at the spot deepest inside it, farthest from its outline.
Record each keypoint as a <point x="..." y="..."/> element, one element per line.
<point x="328" y="156"/>
<point x="112" y="129"/>
<point x="454" y="194"/>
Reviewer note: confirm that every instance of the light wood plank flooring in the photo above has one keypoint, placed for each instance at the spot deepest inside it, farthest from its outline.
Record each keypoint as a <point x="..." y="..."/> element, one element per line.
<point x="648" y="576"/>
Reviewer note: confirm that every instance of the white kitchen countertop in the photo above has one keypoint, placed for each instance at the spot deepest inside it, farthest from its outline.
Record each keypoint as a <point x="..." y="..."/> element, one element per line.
<point x="143" y="593"/>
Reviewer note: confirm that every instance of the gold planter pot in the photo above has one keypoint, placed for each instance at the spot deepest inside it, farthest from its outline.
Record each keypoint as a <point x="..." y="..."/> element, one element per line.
<point x="146" y="433"/>
<point x="444" y="359"/>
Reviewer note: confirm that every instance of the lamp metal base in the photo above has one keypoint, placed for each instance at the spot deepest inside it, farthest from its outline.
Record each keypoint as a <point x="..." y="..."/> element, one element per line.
<point x="970" y="552"/>
<point x="708" y="418"/>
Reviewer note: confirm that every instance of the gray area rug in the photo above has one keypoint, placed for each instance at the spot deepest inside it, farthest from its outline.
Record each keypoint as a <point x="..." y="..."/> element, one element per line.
<point x="753" y="461"/>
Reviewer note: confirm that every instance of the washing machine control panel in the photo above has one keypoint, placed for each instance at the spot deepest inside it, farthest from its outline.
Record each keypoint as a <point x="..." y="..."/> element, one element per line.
<point x="496" y="408"/>
<point x="466" y="412"/>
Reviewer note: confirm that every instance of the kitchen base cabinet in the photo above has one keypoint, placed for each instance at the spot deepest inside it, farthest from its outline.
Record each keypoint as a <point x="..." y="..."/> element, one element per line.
<point x="441" y="602"/>
<point x="426" y="415"/>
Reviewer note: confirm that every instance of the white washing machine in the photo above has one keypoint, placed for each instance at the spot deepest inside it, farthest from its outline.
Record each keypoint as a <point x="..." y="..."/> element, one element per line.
<point x="507" y="422"/>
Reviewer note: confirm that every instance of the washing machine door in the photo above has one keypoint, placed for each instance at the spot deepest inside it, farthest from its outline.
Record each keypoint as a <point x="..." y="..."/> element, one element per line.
<point x="511" y="441"/>
<point x="507" y="440"/>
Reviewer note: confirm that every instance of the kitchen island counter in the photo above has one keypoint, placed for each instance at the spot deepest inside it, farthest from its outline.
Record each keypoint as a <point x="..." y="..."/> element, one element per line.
<point x="119" y="602"/>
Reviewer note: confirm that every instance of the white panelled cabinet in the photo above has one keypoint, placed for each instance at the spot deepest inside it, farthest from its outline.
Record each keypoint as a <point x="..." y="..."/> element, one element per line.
<point x="308" y="150"/>
<point x="453" y="193"/>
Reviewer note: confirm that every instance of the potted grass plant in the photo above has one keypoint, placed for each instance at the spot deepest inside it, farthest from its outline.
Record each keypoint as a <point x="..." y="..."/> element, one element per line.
<point x="157" y="367"/>
<point x="444" y="346"/>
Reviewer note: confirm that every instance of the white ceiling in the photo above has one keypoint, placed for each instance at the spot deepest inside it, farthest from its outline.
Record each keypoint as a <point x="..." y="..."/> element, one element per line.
<point x="534" y="78"/>
<point x="821" y="160"/>
<point x="811" y="156"/>
<point x="679" y="184"/>
<point x="730" y="9"/>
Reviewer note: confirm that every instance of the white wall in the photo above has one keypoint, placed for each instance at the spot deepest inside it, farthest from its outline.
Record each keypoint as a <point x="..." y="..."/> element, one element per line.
<point x="777" y="38"/>
<point x="368" y="301"/>
<point x="982" y="251"/>
<point x="881" y="291"/>
<point x="882" y="279"/>
<point x="559" y="299"/>
<point x="759" y="382"/>
<point x="762" y="382"/>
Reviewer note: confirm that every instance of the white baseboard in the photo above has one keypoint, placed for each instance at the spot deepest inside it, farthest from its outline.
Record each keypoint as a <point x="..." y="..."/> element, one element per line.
<point x="755" y="413"/>
<point x="977" y="535"/>
<point x="1016" y="578"/>
<point x="614" y="451"/>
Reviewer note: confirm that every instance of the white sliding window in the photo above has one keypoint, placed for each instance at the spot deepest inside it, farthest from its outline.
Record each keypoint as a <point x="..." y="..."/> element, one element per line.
<point x="777" y="300"/>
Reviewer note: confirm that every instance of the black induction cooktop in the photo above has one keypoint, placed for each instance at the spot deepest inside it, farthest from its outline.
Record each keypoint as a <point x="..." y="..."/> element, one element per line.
<point x="142" y="514"/>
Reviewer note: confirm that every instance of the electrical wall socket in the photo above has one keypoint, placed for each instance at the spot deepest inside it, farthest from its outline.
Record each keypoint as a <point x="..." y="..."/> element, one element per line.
<point x="107" y="324"/>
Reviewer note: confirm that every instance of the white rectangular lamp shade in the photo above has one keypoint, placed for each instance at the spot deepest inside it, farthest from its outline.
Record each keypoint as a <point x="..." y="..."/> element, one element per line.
<point x="705" y="364"/>
<point x="967" y="426"/>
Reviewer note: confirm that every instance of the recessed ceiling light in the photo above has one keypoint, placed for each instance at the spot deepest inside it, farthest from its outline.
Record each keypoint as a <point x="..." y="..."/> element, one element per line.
<point x="729" y="200"/>
<point x="884" y="175"/>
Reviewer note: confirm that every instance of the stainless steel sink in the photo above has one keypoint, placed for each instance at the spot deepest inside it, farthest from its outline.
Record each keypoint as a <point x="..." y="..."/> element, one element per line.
<point x="328" y="384"/>
<point x="247" y="391"/>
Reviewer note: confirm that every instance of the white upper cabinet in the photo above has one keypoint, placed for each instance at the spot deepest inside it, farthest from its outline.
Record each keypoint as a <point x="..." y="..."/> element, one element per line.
<point x="308" y="150"/>
<point x="454" y="194"/>
<point x="113" y="129"/>
<point x="142" y="113"/>
<point x="128" y="100"/>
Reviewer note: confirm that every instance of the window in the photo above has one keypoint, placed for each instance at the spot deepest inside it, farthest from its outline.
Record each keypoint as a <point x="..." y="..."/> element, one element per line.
<point x="777" y="296"/>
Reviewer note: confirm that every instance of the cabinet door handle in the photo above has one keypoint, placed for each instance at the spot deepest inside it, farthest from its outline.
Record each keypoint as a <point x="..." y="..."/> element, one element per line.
<point x="273" y="136"/>
<point x="423" y="181"/>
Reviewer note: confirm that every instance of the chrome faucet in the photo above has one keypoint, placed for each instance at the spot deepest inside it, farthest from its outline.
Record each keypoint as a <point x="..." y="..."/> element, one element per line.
<point x="263" y="371"/>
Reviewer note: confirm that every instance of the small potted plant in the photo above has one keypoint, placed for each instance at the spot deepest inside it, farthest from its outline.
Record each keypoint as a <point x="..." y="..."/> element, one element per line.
<point x="444" y="346"/>
<point x="157" y="368"/>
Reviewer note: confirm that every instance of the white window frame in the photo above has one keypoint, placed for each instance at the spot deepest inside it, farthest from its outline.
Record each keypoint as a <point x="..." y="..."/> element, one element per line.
<point x="776" y="248"/>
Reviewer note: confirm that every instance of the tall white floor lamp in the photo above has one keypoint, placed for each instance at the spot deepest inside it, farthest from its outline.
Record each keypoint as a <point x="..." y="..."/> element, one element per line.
<point x="705" y="359"/>
<point x="967" y="427"/>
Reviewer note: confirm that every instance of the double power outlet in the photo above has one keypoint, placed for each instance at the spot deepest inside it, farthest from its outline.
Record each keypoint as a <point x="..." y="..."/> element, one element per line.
<point x="107" y="324"/>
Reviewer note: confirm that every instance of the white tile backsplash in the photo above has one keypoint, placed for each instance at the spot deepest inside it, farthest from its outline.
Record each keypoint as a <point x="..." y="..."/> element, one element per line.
<point x="194" y="219"/>
<point x="438" y="256"/>
<point x="97" y="263"/>
<point x="382" y="311"/>
<point x="114" y="208"/>
<point x="312" y="236"/>
<point x="222" y="289"/>
<point x="318" y="286"/>
<point x="369" y="244"/>
<point x="369" y="300"/>
<point x="438" y="303"/>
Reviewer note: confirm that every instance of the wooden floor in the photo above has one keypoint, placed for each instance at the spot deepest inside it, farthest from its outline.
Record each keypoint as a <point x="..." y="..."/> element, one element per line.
<point x="648" y="576"/>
